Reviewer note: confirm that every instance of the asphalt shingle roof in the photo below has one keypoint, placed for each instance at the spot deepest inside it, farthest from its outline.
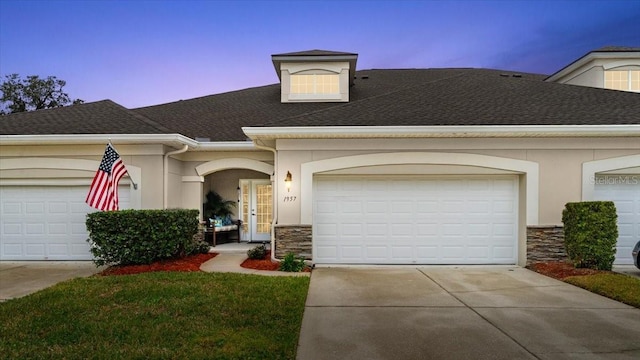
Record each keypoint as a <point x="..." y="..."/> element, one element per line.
<point x="617" y="49"/>
<point x="314" y="53"/>
<point x="477" y="97"/>
<point x="409" y="97"/>
<point x="101" y="117"/>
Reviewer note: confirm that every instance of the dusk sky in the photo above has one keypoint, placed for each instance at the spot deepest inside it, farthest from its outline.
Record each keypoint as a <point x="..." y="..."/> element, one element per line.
<point x="140" y="53"/>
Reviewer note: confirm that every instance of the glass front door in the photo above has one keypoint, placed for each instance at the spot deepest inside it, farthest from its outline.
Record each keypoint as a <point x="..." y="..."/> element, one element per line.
<point x="257" y="202"/>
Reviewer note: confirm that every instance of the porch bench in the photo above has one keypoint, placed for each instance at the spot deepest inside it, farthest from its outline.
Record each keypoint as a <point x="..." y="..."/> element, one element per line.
<point x="214" y="233"/>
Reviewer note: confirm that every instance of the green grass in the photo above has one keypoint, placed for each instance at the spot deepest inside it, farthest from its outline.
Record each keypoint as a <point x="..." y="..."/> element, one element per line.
<point x="619" y="287"/>
<point x="163" y="315"/>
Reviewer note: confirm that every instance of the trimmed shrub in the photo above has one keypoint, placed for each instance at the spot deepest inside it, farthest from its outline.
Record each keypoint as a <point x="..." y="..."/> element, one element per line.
<point x="257" y="253"/>
<point x="291" y="263"/>
<point x="591" y="233"/>
<point x="131" y="237"/>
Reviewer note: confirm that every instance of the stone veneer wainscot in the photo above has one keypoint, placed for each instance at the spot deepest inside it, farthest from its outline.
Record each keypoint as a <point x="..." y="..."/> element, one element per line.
<point x="293" y="239"/>
<point x="545" y="243"/>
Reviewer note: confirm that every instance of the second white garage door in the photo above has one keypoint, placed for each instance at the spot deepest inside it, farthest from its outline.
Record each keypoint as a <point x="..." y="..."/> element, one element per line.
<point x="624" y="191"/>
<point x="415" y="220"/>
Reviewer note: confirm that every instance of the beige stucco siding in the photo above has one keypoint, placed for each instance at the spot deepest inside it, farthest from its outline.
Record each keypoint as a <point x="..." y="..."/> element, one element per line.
<point x="220" y="171"/>
<point x="560" y="180"/>
<point x="592" y="76"/>
<point x="67" y="164"/>
<point x="559" y="162"/>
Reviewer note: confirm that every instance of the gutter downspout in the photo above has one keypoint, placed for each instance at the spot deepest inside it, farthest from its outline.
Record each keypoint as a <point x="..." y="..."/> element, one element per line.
<point x="274" y="189"/>
<point x="165" y="197"/>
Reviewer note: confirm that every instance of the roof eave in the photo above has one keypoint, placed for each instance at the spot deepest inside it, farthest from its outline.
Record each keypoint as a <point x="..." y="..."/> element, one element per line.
<point x="174" y="140"/>
<point x="352" y="59"/>
<point x="489" y="131"/>
<point x="590" y="57"/>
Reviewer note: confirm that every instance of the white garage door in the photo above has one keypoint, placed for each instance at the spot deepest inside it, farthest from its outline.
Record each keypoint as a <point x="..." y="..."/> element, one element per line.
<point x="46" y="222"/>
<point x="624" y="191"/>
<point x="410" y="220"/>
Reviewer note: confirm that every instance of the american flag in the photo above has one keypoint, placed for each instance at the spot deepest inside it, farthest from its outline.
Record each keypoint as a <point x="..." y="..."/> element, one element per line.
<point x="103" y="194"/>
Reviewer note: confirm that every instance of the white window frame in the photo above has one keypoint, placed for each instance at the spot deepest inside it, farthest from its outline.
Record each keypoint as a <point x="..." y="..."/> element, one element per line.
<point x="290" y="70"/>
<point x="629" y="83"/>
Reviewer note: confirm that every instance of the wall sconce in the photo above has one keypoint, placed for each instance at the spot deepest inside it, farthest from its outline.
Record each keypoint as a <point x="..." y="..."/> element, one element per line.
<point x="287" y="181"/>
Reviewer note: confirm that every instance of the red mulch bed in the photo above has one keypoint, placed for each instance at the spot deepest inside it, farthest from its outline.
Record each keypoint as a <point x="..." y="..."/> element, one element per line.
<point x="188" y="263"/>
<point x="261" y="264"/>
<point x="265" y="264"/>
<point x="561" y="269"/>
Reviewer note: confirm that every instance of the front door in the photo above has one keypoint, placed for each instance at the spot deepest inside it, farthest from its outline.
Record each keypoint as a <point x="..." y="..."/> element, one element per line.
<point x="257" y="209"/>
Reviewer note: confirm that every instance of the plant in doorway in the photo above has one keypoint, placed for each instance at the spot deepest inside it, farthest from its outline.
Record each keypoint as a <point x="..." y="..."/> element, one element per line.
<point x="217" y="206"/>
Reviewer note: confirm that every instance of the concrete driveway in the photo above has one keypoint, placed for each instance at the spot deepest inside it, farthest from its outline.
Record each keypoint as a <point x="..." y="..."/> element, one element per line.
<point x="460" y="313"/>
<point x="20" y="278"/>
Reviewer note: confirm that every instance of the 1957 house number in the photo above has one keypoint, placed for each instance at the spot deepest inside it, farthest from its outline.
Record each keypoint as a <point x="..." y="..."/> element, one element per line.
<point x="290" y="198"/>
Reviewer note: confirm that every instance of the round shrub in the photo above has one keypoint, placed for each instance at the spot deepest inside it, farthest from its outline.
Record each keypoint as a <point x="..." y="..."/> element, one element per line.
<point x="591" y="233"/>
<point x="130" y="237"/>
<point x="258" y="253"/>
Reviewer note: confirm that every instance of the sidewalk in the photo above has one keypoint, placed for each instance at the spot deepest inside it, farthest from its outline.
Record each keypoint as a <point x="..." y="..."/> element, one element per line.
<point x="229" y="260"/>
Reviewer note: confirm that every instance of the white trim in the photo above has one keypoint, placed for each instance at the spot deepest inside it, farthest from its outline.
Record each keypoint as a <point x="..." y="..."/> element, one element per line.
<point x="134" y="172"/>
<point x="96" y="139"/>
<point x="621" y="63"/>
<point x="174" y="140"/>
<point x="309" y="169"/>
<point x="49" y="182"/>
<point x="193" y="179"/>
<point x="349" y="132"/>
<point x="296" y="68"/>
<point x="591" y="57"/>
<point x="225" y="146"/>
<point x="591" y="168"/>
<point x="234" y="163"/>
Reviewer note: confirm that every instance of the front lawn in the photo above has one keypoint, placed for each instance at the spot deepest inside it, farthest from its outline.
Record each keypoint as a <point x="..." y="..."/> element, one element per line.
<point x="163" y="315"/>
<point x="619" y="287"/>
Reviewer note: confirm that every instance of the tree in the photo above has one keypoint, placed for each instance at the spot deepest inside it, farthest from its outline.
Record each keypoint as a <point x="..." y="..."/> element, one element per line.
<point x="33" y="93"/>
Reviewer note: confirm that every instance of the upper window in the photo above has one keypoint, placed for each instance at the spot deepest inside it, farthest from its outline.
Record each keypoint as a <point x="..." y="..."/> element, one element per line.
<point x="626" y="80"/>
<point x="315" y="84"/>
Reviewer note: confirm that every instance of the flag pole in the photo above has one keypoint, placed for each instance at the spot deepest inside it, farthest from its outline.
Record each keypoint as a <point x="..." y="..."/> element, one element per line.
<point x="135" y="186"/>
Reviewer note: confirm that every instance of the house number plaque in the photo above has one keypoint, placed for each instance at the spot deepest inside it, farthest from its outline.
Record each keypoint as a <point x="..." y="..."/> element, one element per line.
<point x="290" y="198"/>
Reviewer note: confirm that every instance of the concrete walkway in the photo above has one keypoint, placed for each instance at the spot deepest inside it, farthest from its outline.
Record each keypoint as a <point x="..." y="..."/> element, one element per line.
<point x="460" y="313"/>
<point x="230" y="262"/>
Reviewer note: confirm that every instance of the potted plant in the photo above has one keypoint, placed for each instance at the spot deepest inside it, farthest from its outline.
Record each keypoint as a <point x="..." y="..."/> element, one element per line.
<point x="216" y="206"/>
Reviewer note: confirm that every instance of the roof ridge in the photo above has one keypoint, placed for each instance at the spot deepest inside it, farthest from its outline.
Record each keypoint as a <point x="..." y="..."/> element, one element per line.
<point x="143" y="118"/>
<point x="402" y="88"/>
<point x="202" y="97"/>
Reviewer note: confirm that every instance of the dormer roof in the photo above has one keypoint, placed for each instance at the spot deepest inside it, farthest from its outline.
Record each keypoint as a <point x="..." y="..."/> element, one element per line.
<point x="316" y="55"/>
<point x="605" y="52"/>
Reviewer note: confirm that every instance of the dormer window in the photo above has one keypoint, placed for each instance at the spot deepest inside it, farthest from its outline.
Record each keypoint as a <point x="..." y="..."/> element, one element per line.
<point x="315" y="75"/>
<point x="626" y="80"/>
<point x="315" y="84"/>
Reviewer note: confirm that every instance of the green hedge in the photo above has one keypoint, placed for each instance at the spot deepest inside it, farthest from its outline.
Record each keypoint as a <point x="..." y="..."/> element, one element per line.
<point x="591" y="233"/>
<point x="130" y="237"/>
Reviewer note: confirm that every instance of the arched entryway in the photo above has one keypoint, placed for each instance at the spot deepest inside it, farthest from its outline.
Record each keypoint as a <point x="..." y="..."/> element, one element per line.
<point x="248" y="183"/>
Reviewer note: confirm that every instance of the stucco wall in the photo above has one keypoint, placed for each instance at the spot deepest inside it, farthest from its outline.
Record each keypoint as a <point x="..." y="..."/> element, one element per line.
<point x="559" y="159"/>
<point x="592" y="72"/>
<point x="219" y="171"/>
<point x="145" y="158"/>
<point x="593" y="76"/>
